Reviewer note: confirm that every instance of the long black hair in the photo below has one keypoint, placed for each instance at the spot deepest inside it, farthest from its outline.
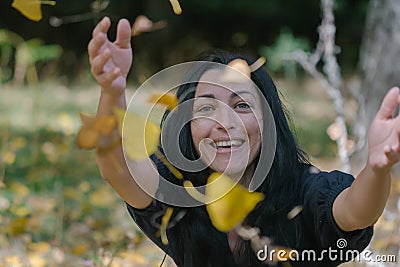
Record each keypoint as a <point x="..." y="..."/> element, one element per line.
<point x="196" y="242"/>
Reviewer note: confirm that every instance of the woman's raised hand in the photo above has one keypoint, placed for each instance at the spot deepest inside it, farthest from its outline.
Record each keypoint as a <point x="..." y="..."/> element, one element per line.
<point x="111" y="61"/>
<point x="384" y="134"/>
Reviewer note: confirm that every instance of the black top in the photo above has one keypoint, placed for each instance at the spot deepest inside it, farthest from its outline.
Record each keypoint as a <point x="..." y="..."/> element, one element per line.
<point x="313" y="228"/>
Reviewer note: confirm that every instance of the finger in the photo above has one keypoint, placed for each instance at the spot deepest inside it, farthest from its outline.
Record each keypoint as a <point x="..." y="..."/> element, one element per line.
<point x="95" y="45"/>
<point x="123" y="34"/>
<point x="99" y="62"/>
<point x="389" y="103"/>
<point x="102" y="26"/>
<point x="107" y="78"/>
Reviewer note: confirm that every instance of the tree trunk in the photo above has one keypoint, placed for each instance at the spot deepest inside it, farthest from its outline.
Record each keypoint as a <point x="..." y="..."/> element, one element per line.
<point x="379" y="56"/>
<point x="380" y="52"/>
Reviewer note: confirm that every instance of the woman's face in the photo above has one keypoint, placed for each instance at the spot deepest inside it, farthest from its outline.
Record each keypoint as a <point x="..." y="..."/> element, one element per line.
<point x="227" y="122"/>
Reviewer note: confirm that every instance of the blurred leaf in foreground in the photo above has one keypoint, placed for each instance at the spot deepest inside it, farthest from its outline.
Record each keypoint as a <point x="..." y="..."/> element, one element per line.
<point x="31" y="8"/>
<point x="140" y="136"/>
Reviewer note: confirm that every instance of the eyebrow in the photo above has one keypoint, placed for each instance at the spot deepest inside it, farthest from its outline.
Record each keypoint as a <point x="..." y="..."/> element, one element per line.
<point x="233" y="95"/>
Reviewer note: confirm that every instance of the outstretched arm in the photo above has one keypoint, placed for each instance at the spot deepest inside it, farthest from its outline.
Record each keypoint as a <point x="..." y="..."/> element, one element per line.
<point x="110" y="64"/>
<point x="362" y="204"/>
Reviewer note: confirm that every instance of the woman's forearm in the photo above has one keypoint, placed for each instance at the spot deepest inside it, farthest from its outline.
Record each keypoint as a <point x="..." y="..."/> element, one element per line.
<point x="113" y="167"/>
<point x="362" y="204"/>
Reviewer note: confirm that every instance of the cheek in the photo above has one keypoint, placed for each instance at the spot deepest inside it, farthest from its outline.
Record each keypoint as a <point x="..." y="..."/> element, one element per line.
<point x="199" y="130"/>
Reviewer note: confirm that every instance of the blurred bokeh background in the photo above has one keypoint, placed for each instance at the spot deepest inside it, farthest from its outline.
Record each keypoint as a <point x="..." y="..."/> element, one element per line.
<point x="55" y="209"/>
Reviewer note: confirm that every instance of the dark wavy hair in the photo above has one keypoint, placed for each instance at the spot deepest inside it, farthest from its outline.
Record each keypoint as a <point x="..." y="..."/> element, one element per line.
<point x="196" y="242"/>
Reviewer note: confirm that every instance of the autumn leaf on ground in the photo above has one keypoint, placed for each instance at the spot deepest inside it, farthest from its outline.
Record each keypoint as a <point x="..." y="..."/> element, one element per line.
<point x="31" y="8"/>
<point x="93" y="129"/>
<point x="169" y="100"/>
<point x="230" y="203"/>
<point x="140" y="136"/>
<point x="143" y="24"/>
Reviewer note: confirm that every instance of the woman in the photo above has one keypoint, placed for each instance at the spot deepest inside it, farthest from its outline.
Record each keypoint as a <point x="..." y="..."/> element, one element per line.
<point x="335" y="207"/>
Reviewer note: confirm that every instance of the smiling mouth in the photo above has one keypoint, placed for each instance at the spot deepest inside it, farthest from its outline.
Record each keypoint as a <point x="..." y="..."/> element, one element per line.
<point x="229" y="144"/>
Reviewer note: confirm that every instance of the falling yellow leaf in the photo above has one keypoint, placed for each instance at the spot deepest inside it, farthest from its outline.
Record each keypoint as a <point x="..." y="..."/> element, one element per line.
<point x="231" y="209"/>
<point x="294" y="212"/>
<point x="230" y="203"/>
<point x="31" y="8"/>
<point x="236" y="65"/>
<point x="176" y="7"/>
<point x="257" y="64"/>
<point x="170" y="167"/>
<point x="144" y="24"/>
<point x="168" y="100"/>
<point x="192" y="191"/>
<point x="141" y="136"/>
<point x="164" y="225"/>
<point x="93" y="129"/>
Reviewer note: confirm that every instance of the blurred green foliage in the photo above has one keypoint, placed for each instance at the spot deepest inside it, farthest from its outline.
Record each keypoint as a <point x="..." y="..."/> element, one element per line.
<point x="240" y="25"/>
<point x="285" y="43"/>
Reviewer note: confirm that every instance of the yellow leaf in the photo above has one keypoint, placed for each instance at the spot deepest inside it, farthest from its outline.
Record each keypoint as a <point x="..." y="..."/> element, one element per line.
<point x="140" y="136"/>
<point x="9" y="157"/>
<point x="93" y="128"/>
<point x="170" y="167"/>
<point x="237" y="65"/>
<point x="39" y="247"/>
<point x="257" y="64"/>
<point x="231" y="209"/>
<point x="176" y="7"/>
<point x="164" y="225"/>
<point x="169" y="100"/>
<point x="102" y="197"/>
<point x="19" y="189"/>
<point x="18" y="226"/>
<point x="31" y="8"/>
<point x="134" y="257"/>
<point x="36" y="260"/>
<point x="144" y="24"/>
<point x="79" y="249"/>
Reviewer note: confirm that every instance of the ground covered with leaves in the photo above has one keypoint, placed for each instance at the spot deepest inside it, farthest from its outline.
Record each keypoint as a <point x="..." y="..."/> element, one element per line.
<point x="56" y="210"/>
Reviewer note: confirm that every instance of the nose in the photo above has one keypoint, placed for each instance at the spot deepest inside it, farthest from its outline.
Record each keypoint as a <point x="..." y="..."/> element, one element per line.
<point x="226" y="118"/>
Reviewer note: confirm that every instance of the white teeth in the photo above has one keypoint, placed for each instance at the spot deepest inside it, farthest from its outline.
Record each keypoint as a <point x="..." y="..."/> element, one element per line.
<point x="229" y="143"/>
